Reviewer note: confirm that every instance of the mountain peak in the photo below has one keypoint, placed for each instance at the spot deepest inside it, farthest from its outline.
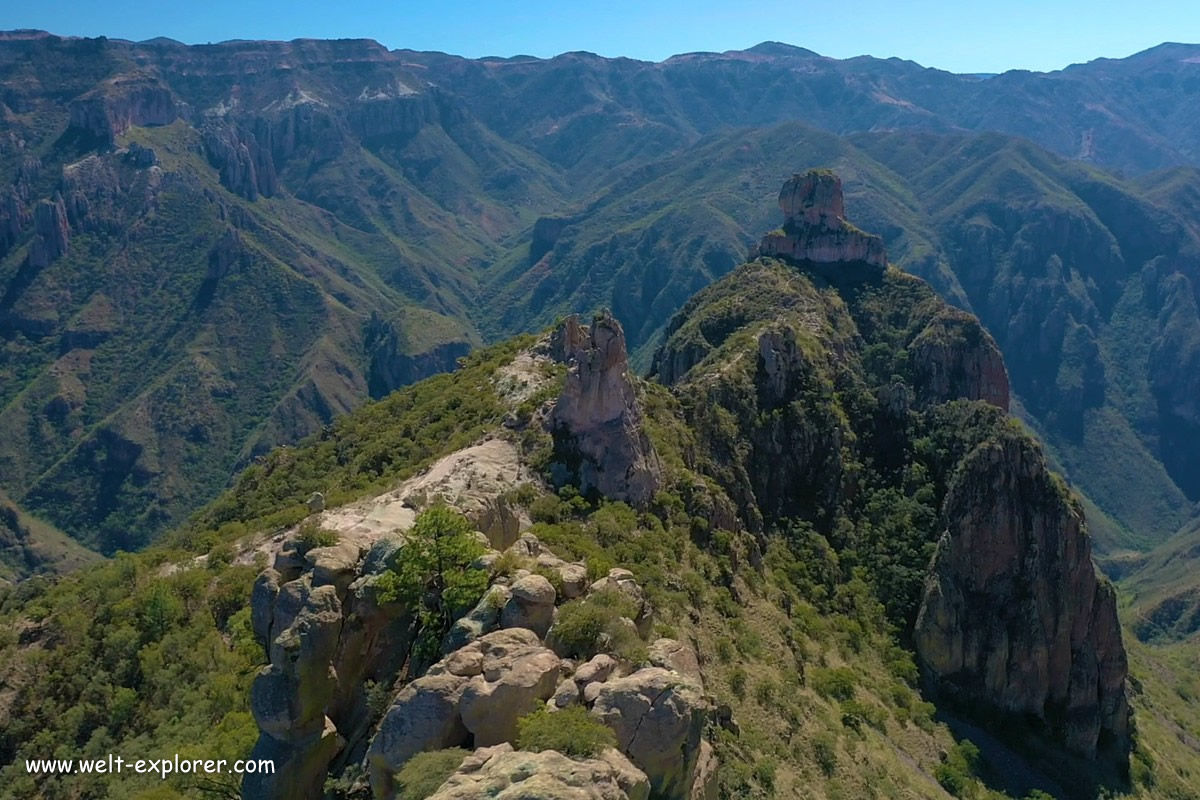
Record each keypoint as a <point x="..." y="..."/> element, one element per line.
<point x="781" y="49"/>
<point x="815" y="228"/>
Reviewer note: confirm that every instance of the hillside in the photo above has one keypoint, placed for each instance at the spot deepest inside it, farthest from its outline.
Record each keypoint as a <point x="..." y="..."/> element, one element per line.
<point x="208" y="251"/>
<point x="619" y="550"/>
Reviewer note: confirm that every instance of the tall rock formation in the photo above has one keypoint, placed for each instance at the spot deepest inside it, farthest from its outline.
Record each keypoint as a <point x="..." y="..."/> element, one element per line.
<point x="815" y="228"/>
<point x="599" y="438"/>
<point x="1014" y="616"/>
<point x="50" y="233"/>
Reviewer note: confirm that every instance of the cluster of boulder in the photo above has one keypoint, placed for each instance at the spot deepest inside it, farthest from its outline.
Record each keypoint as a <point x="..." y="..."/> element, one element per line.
<point x="327" y="633"/>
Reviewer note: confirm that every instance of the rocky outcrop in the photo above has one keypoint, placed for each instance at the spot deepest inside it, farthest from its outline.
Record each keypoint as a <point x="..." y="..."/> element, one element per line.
<point x="107" y="112"/>
<point x="658" y="716"/>
<point x="546" y="232"/>
<point x="326" y="633"/>
<point x="50" y="233"/>
<point x="246" y="168"/>
<point x="815" y="229"/>
<point x="14" y="216"/>
<point x="501" y="773"/>
<point x="1014" y="616"/>
<point x="599" y="438"/>
<point x="478" y="692"/>
<point x="224" y="254"/>
<point x="955" y="357"/>
<point x="392" y="366"/>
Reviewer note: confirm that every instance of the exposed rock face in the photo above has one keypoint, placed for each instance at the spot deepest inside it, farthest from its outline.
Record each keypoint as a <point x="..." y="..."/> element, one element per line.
<point x="597" y="420"/>
<point x="50" y="233"/>
<point x="546" y="232"/>
<point x="531" y="605"/>
<point x="325" y="634"/>
<point x="815" y="228"/>
<point x="109" y="111"/>
<point x="477" y="691"/>
<point x="392" y="367"/>
<point x="224" y="254"/>
<point x="501" y="773"/>
<point x="245" y="167"/>
<point x="1014" y="615"/>
<point x="14" y="216"/>
<point x="658" y="716"/>
<point x="954" y="357"/>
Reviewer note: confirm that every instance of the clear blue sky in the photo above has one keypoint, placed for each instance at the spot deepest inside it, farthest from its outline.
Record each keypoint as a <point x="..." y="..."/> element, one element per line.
<point x="962" y="36"/>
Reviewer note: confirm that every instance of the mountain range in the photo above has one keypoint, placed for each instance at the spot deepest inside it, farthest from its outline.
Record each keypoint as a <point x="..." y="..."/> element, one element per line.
<point x="208" y="251"/>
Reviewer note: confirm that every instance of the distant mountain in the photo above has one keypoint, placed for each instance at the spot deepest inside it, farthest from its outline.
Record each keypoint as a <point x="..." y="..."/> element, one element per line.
<point x="209" y="250"/>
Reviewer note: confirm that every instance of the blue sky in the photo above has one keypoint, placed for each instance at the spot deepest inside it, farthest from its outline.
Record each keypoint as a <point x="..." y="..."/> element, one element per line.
<point x="963" y="36"/>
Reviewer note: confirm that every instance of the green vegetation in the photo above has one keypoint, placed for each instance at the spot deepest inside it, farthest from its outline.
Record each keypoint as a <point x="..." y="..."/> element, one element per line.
<point x="421" y="775"/>
<point x="572" y="731"/>
<point x="581" y="624"/>
<point x="432" y="573"/>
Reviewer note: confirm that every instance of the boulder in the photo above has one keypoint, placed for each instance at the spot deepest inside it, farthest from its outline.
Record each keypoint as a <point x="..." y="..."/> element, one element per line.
<point x="531" y="605"/>
<point x="335" y="565"/>
<point x="517" y="672"/>
<point x="567" y="694"/>
<point x="501" y="773"/>
<point x="300" y="766"/>
<point x="673" y="655"/>
<point x="622" y="580"/>
<point x="423" y="716"/>
<point x="598" y="669"/>
<point x="482" y="619"/>
<point x="658" y="717"/>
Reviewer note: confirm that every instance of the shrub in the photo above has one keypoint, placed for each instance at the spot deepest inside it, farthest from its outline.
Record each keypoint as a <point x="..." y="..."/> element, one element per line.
<point x="855" y="714"/>
<point x="311" y="536"/>
<point x="581" y="623"/>
<point x="957" y="773"/>
<point x="836" y="683"/>
<point x="572" y="731"/>
<point x="764" y="692"/>
<point x="436" y="562"/>
<point x="825" y="752"/>
<point x="737" y="682"/>
<point x="764" y="773"/>
<point x="424" y="773"/>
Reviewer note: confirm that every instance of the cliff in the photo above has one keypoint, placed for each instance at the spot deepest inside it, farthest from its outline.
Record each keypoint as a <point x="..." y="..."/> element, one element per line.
<point x="1014" y="615"/>
<point x="815" y="228"/>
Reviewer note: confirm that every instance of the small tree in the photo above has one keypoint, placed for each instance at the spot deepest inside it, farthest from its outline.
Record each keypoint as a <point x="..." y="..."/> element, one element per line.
<point x="432" y="573"/>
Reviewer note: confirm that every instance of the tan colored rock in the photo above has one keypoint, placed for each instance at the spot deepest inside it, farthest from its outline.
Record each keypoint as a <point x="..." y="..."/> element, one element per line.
<point x="1014" y="615"/>
<point x="677" y="656"/>
<point x="705" y="785"/>
<point x="335" y="565"/>
<point x="517" y="673"/>
<point x="597" y="417"/>
<point x="815" y="229"/>
<point x="530" y="606"/>
<point x="598" y="669"/>
<point x="658" y="717"/>
<point x="501" y="773"/>
<point x="423" y="716"/>
<point x="567" y="694"/>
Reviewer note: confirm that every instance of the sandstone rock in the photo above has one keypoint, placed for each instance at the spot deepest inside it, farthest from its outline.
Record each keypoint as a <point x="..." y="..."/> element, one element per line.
<point x="517" y="672"/>
<point x="300" y="766"/>
<point x="501" y="773"/>
<point x="704" y="777"/>
<point x="658" y="717"/>
<point x="316" y="503"/>
<point x="954" y="357"/>
<point x="815" y="229"/>
<point x="121" y="102"/>
<point x="245" y="167"/>
<point x="1014" y="615"/>
<point x="531" y="605"/>
<point x="334" y="565"/>
<point x="597" y="421"/>
<point x="262" y="604"/>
